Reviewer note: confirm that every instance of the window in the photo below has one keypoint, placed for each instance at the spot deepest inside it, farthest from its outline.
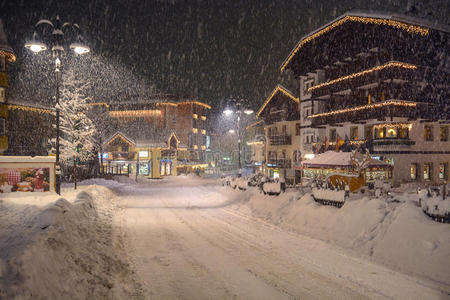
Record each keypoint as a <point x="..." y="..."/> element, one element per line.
<point x="307" y="139"/>
<point x="2" y="94"/>
<point x="2" y="63"/>
<point x="297" y="129"/>
<point x="354" y="133"/>
<point x="272" y="131"/>
<point x="443" y="171"/>
<point x="427" y="171"/>
<point x="283" y="154"/>
<point x="413" y="171"/>
<point x="124" y="148"/>
<point x="283" y="129"/>
<point x="333" y="135"/>
<point x="443" y="133"/>
<point x="391" y="132"/>
<point x="403" y="133"/>
<point x="428" y="133"/>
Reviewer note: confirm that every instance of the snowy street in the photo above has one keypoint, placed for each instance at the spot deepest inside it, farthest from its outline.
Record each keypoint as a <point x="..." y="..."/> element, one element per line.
<point x="187" y="240"/>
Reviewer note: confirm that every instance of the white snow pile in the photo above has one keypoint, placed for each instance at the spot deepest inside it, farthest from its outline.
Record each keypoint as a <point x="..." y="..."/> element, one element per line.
<point x="330" y="195"/>
<point x="63" y="249"/>
<point x="436" y="206"/>
<point x="395" y="233"/>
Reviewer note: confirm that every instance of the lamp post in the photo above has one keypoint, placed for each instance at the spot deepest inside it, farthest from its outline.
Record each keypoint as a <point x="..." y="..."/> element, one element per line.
<point x="57" y="46"/>
<point x="238" y="110"/>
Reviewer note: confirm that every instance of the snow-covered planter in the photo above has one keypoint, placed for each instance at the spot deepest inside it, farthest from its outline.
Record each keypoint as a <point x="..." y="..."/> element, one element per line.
<point x="436" y="208"/>
<point x="240" y="183"/>
<point x="329" y="197"/>
<point x="272" y="188"/>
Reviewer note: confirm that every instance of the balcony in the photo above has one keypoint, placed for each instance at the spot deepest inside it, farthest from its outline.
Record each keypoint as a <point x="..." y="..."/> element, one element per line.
<point x="280" y="140"/>
<point x="279" y="163"/>
<point x="392" y="144"/>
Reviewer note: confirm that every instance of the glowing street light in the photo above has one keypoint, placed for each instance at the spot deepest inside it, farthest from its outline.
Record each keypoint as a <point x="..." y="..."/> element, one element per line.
<point x="238" y="111"/>
<point x="57" y="37"/>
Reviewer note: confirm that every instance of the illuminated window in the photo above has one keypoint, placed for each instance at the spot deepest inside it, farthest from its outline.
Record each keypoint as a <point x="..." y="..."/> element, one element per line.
<point x="203" y="131"/>
<point x="403" y="133"/>
<point x="428" y="133"/>
<point x="391" y="132"/>
<point x="413" y="171"/>
<point x="203" y="118"/>
<point x="195" y="116"/>
<point x="203" y="147"/>
<point x="443" y="171"/>
<point x="427" y="171"/>
<point x="194" y="130"/>
<point x="443" y="133"/>
<point x="2" y="94"/>
<point x="354" y="133"/>
<point x="195" y="147"/>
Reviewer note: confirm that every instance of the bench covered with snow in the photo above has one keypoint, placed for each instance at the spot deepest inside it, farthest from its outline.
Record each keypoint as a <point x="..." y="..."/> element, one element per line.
<point x="329" y="197"/>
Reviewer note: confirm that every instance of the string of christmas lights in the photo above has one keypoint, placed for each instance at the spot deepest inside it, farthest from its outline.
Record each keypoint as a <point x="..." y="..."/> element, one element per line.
<point x="366" y="20"/>
<point x="29" y="108"/>
<point x="392" y="64"/>
<point x="276" y="90"/>
<point x="134" y="113"/>
<point x="369" y="106"/>
<point x="398" y="125"/>
<point x="254" y="124"/>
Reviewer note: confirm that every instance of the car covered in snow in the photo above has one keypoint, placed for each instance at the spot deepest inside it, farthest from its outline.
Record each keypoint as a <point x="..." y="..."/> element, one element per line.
<point x="240" y="183"/>
<point x="255" y="179"/>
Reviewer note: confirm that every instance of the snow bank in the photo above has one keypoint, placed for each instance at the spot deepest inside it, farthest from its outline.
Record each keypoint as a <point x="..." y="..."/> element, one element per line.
<point x="64" y="249"/>
<point x="397" y="233"/>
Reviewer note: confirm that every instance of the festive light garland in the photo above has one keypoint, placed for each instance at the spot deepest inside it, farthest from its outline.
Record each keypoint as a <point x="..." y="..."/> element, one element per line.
<point x="255" y="143"/>
<point x="9" y="55"/>
<point x="369" y="106"/>
<point x="194" y="102"/>
<point x="279" y="88"/>
<point x="123" y="138"/>
<point x="399" y="125"/>
<point x="366" y="20"/>
<point x="391" y="64"/>
<point x="29" y="108"/>
<point x="134" y="113"/>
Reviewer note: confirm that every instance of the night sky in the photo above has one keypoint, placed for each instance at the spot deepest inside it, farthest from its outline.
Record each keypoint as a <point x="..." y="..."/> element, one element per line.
<point x="209" y="50"/>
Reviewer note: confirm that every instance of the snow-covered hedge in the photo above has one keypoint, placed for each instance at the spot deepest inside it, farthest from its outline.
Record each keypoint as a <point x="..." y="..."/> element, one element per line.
<point x="437" y="208"/>
<point x="329" y="195"/>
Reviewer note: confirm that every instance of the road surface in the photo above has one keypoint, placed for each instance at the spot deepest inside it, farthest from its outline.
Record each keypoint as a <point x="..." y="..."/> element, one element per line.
<point x="187" y="242"/>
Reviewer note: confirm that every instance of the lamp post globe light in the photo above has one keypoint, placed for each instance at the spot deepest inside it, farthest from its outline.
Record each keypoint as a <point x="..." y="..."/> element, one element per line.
<point x="235" y="107"/>
<point x="58" y="42"/>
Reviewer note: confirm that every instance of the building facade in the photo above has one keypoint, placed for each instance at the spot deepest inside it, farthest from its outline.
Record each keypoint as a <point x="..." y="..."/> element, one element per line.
<point x="281" y="116"/>
<point x="380" y="82"/>
<point x="162" y="136"/>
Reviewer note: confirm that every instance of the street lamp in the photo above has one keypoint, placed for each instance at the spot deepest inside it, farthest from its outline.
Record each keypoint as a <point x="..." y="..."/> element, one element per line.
<point x="238" y="111"/>
<point x="57" y="46"/>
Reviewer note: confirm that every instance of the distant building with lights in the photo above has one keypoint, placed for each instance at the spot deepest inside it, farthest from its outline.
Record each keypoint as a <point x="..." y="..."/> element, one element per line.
<point x="280" y="114"/>
<point x="167" y="135"/>
<point x="24" y="129"/>
<point x="378" y="81"/>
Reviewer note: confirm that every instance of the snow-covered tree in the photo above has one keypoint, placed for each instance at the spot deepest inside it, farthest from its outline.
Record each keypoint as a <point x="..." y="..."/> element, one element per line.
<point x="76" y="129"/>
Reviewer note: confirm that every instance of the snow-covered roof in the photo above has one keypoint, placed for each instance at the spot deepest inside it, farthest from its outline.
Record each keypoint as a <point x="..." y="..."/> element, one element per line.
<point x="365" y="14"/>
<point x="5" y="48"/>
<point x="279" y="89"/>
<point x="337" y="160"/>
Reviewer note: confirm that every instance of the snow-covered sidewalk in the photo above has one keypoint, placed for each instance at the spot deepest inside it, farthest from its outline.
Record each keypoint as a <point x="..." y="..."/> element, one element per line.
<point x="64" y="247"/>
